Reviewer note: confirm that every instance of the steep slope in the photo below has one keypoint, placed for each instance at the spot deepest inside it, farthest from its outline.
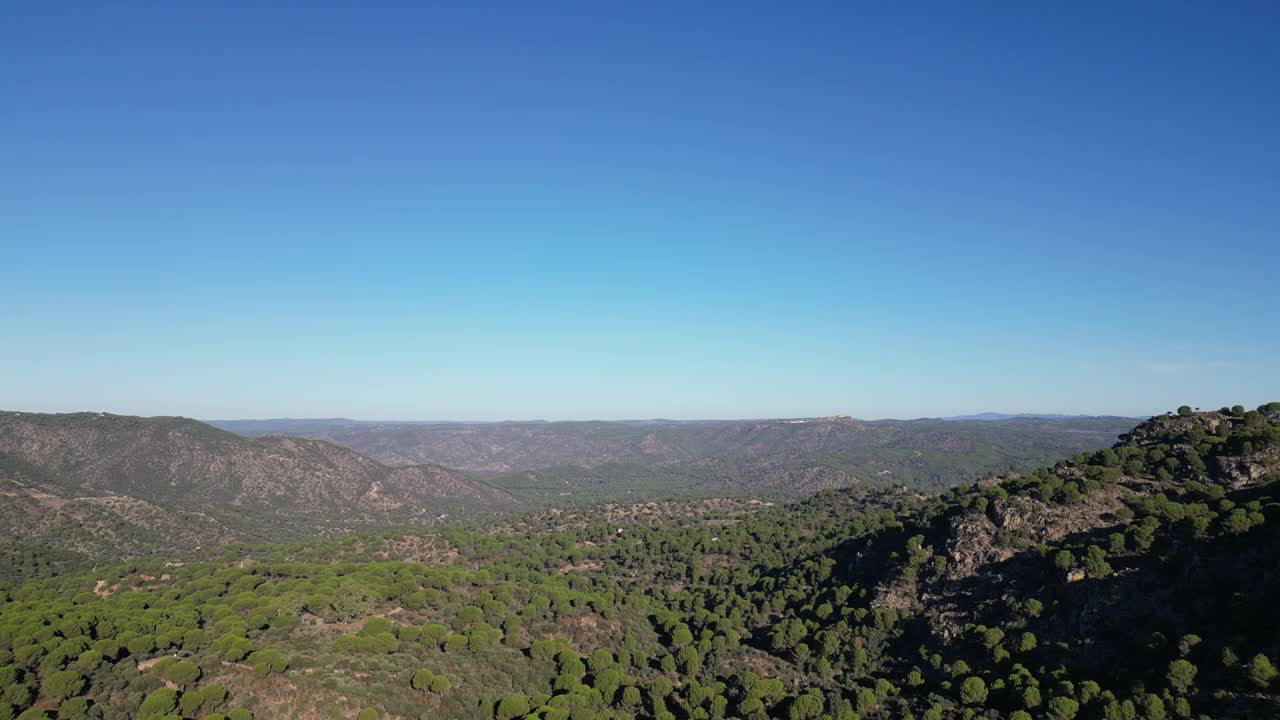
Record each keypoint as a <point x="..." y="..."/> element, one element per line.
<point x="1155" y="559"/>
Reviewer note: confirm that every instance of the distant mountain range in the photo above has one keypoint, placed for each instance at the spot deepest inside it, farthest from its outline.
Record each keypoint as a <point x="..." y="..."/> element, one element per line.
<point x="98" y="482"/>
<point x="95" y="484"/>
<point x="787" y="457"/>
<point x="295" y="426"/>
<point x="1147" y="567"/>
<point x="1040" y="416"/>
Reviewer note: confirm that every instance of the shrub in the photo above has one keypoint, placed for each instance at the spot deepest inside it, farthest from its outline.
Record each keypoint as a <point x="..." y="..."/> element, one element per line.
<point x="159" y="703"/>
<point x="1181" y="675"/>
<point x="1261" y="672"/>
<point x="63" y="684"/>
<point x="973" y="691"/>
<point x="421" y="679"/>
<point x="1062" y="708"/>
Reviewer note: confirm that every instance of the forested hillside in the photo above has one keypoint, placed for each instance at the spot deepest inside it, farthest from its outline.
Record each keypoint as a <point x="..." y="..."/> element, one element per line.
<point x="1137" y="581"/>
<point x="101" y="487"/>
<point x="574" y="461"/>
<point x="85" y="488"/>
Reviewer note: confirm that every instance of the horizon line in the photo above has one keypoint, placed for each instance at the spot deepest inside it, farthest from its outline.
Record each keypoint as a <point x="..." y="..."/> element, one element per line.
<point x="758" y="418"/>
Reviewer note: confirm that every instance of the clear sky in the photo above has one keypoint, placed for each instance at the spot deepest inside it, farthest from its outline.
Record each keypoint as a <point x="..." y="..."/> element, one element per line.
<point x="645" y="209"/>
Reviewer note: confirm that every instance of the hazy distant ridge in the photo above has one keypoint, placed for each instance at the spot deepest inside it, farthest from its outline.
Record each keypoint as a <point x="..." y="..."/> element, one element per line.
<point x="792" y="456"/>
<point x="986" y="416"/>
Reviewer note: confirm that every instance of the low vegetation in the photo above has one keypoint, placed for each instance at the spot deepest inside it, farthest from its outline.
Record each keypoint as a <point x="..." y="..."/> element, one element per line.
<point x="1134" y="582"/>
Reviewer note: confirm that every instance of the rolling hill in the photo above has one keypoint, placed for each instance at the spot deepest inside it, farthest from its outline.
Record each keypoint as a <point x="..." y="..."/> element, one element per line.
<point x="1137" y="582"/>
<point x="97" y="485"/>
<point x="117" y="479"/>
<point x="562" y="461"/>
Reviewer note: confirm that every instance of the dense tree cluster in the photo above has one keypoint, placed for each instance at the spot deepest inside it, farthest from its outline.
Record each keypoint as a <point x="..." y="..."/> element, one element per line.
<point x="1134" y="583"/>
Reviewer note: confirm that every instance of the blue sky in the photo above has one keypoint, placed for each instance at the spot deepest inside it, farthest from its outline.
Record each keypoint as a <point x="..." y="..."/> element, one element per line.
<point x="619" y="210"/>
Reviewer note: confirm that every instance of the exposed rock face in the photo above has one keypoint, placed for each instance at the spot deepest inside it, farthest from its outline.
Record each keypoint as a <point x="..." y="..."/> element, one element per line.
<point x="1184" y="431"/>
<point x="999" y="548"/>
<point x="1241" y="471"/>
<point x="973" y="544"/>
<point x="901" y="594"/>
<point x="1045" y="523"/>
<point x="975" y="540"/>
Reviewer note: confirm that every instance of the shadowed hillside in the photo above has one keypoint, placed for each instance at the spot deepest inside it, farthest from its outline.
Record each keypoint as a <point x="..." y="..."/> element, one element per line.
<point x="1136" y="582"/>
